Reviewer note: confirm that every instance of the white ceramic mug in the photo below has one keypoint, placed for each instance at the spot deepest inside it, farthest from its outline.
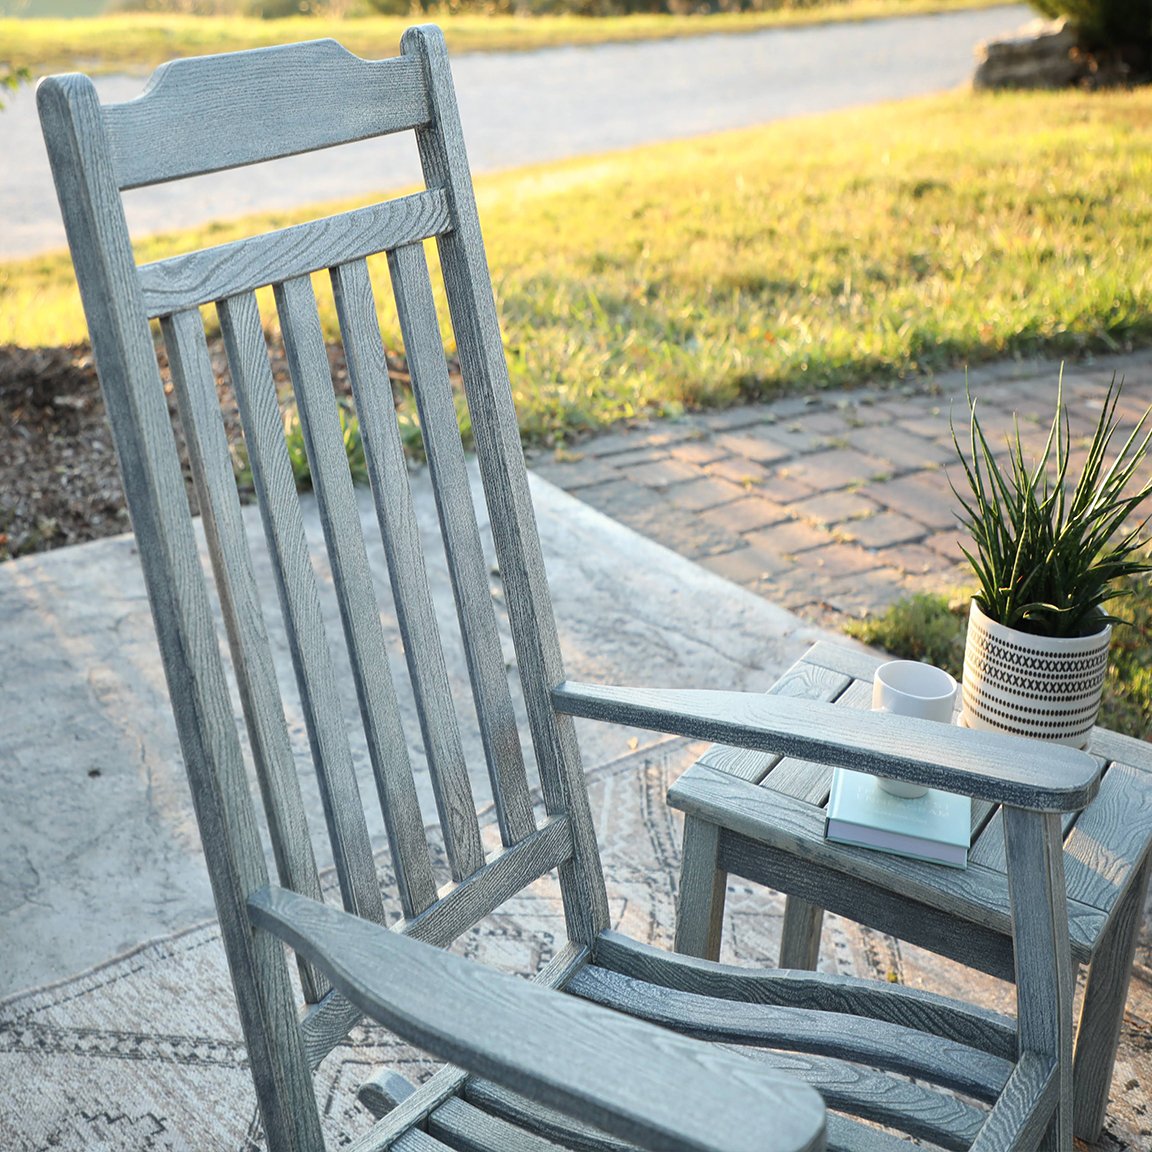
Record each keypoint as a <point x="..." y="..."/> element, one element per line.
<point x="910" y="688"/>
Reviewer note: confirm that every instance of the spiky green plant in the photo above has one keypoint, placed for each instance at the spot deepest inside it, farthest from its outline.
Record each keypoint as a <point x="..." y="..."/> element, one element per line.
<point x="1048" y="559"/>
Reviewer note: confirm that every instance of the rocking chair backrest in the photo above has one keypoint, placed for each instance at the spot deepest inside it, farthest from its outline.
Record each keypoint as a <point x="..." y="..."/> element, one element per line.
<point x="207" y="115"/>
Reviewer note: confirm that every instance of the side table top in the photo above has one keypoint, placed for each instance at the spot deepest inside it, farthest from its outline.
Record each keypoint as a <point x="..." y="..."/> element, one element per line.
<point x="780" y="802"/>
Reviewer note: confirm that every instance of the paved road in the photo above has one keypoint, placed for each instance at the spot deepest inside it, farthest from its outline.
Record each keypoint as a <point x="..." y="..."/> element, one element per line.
<point x="524" y="107"/>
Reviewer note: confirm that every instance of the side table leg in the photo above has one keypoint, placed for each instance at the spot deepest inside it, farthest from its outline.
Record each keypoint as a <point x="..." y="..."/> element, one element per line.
<point x="700" y="907"/>
<point x="800" y="945"/>
<point x="1103" y="1012"/>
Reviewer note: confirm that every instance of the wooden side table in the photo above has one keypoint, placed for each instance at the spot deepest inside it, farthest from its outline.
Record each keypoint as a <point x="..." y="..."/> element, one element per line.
<point x="762" y="818"/>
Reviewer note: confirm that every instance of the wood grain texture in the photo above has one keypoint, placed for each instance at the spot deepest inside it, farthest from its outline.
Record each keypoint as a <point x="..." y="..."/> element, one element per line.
<point x="963" y="1023"/>
<point x="638" y="1082"/>
<point x="977" y="894"/>
<point x="981" y="764"/>
<point x="363" y="633"/>
<point x="468" y="1129"/>
<point x="700" y="899"/>
<point x="877" y="1043"/>
<point x="208" y="274"/>
<point x="1041" y="947"/>
<point x="1022" y="1115"/>
<point x="299" y="597"/>
<point x="536" y="1118"/>
<point x="211" y="464"/>
<point x="468" y="286"/>
<point x="804" y="779"/>
<point x="800" y="934"/>
<point x="415" y="1140"/>
<point x="383" y="1090"/>
<point x="134" y="398"/>
<point x="397" y="1125"/>
<point x="423" y="346"/>
<point x="844" y="660"/>
<point x="871" y="902"/>
<point x="1106" y="846"/>
<point x="206" y="114"/>
<point x="844" y="1134"/>
<point x="803" y="681"/>
<point x="508" y="873"/>
<point x="1102" y="1012"/>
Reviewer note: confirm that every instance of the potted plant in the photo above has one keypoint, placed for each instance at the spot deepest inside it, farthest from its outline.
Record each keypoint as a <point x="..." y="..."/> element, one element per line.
<point x="1049" y="557"/>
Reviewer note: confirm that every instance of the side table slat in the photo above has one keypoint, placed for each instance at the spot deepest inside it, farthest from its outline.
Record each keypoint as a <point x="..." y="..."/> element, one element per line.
<point x="847" y="661"/>
<point x="802" y="680"/>
<point x="1107" y="845"/>
<point x="1104" y="845"/>
<point x="989" y="848"/>
<point x="804" y="779"/>
<point x="1126" y="749"/>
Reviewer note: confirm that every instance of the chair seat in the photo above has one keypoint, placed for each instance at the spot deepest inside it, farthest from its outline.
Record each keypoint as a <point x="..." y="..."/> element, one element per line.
<point x="868" y="1059"/>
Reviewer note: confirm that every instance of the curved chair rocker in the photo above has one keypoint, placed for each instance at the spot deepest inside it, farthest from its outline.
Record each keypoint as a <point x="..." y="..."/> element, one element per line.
<point x="531" y="1069"/>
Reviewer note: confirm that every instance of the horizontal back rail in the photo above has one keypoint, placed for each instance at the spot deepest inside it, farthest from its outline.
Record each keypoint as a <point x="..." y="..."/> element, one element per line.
<point x="208" y="115"/>
<point x="210" y="274"/>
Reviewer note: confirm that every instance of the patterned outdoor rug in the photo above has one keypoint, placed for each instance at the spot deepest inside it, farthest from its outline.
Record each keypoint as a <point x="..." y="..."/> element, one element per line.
<point x="144" y="1053"/>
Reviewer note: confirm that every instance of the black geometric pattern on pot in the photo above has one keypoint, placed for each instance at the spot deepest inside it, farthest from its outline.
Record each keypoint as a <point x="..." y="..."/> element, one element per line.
<point x="1041" y="721"/>
<point x="1079" y="665"/>
<point x="1030" y="658"/>
<point x="1031" y="686"/>
<point x="1011" y="684"/>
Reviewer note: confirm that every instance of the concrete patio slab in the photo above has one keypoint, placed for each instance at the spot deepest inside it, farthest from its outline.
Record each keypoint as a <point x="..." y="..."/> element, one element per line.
<point x="98" y="843"/>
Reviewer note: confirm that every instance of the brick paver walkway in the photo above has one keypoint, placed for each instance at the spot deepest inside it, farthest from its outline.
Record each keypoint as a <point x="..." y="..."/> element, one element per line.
<point x="832" y="504"/>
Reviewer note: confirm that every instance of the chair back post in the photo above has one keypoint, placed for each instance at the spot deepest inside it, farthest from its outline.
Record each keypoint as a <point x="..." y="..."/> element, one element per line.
<point x="497" y="439"/>
<point x="1042" y="951"/>
<point x="97" y="231"/>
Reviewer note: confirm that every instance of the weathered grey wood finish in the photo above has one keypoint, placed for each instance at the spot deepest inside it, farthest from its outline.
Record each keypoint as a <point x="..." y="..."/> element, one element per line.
<point x="532" y="1070"/>
<point x="748" y="817"/>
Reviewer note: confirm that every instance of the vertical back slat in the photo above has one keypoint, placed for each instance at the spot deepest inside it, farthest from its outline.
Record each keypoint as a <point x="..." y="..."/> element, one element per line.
<point x="308" y="362"/>
<point x="319" y="419"/>
<point x="424" y="348"/>
<point x="203" y="428"/>
<point x="444" y="161"/>
<point x="130" y="380"/>
<point x="300" y="603"/>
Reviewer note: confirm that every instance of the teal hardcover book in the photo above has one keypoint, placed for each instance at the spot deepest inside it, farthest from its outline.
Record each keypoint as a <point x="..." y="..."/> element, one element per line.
<point x="936" y="826"/>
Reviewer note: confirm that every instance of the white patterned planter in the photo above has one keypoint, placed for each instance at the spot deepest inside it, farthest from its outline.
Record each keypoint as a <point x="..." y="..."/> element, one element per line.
<point x="1040" y="686"/>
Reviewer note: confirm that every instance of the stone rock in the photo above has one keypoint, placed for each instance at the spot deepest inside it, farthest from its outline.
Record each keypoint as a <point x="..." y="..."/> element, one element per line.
<point x="1043" y="54"/>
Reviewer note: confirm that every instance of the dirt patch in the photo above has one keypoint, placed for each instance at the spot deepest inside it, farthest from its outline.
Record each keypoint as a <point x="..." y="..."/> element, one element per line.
<point x="59" y="482"/>
<point x="59" y="478"/>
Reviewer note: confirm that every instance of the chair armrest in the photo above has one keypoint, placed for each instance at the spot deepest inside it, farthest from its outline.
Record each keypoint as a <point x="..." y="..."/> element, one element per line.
<point x="1012" y="770"/>
<point x="627" y="1077"/>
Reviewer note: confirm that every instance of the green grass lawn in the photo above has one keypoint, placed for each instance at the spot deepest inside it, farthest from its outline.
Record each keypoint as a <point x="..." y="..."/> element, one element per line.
<point x="135" y="40"/>
<point x="871" y="244"/>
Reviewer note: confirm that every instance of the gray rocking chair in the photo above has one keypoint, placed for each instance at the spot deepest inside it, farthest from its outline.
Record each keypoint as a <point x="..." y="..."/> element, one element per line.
<point x="614" y="1043"/>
